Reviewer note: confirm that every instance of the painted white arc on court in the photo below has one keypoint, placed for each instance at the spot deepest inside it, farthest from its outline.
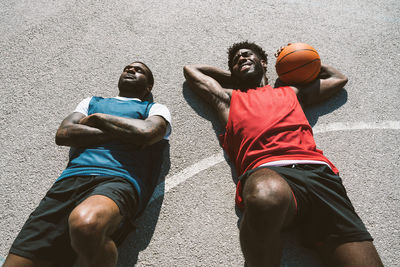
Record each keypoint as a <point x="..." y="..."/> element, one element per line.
<point x="182" y="176"/>
<point x="206" y="163"/>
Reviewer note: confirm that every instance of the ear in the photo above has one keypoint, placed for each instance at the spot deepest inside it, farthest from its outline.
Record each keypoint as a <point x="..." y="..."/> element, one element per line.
<point x="264" y="64"/>
<point x="148" y="91"/>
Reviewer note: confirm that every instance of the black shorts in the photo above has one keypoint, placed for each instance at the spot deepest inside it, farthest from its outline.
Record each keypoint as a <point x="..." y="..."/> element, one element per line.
<point x="45" y="235"/>
<point x="325" y="215"/>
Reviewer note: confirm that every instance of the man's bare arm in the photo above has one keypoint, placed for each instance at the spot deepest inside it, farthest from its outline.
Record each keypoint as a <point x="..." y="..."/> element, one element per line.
<point x="72" y="133"/>
<point x="128" y="130"/>
<point x="328" y="83"/>
<point x="206" y="82"/>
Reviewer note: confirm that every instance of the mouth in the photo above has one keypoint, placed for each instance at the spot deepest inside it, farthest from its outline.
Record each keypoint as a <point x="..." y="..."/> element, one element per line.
<point x="245" y="66"/>
<point x="129" y="77"/>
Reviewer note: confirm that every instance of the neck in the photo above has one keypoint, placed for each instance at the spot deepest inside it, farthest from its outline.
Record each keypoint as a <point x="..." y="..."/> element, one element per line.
<point x="130" y="95"/>
<point x="254" y="83"/>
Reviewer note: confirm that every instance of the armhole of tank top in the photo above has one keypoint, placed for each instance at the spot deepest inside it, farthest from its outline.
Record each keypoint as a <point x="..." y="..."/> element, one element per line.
<point x="147" y="111"/>
<point x="229" y="121"/>
<point x="92" y="102"/>
<point x="294" y="95"/>
<point x="297" y="96"/>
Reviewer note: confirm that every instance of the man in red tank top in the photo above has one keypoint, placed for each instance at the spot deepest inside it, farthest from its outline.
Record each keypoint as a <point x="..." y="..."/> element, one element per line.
<point x="285" y="181"/>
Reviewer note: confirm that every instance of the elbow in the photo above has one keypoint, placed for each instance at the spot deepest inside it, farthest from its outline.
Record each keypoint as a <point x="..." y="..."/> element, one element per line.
<point x="187" y="69"/>
<point x="150" y="137"/>
<point x="59" y="141"/>
<point x="191" y="71"/>
<point x="342" y="81"/>
<point x="61" y="138"/>
<point x="339" y="84"/>
<point x="151" y="134"/>
<point x="345" y="80"/>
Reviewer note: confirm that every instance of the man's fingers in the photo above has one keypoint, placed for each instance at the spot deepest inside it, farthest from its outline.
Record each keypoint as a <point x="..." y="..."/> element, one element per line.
<point x="279" y="51"/>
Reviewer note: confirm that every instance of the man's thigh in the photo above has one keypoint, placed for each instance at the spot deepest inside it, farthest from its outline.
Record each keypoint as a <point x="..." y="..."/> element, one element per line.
<point x="13" y="260"/>
<point x="353" y="254"/>
<point x="325" y="213"/>
<point x="45" y="235"/>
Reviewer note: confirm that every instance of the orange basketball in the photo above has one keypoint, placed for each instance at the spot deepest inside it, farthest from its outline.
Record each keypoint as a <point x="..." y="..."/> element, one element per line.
<point x="298" y="63"/>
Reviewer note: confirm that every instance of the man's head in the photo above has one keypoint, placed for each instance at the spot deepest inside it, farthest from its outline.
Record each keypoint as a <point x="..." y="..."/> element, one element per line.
<point x="136" y="80"/>
<point x="247" y="63"/>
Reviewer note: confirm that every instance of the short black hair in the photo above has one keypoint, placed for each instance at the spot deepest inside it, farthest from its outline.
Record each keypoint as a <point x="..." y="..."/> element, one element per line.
<point x="150" y="77"/>
<point x="246" y="45"/>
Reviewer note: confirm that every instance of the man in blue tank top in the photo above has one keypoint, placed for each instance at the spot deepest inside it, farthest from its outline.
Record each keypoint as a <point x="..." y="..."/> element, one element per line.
<point x="115" y="159"/>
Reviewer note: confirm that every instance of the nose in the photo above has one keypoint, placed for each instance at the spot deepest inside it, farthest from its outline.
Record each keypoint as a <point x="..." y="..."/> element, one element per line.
<point x="131" y="70"/>
<point x="242" y="58"/>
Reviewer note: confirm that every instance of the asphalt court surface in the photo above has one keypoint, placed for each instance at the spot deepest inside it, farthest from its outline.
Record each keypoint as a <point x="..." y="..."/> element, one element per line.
<point x="55" y="53"/>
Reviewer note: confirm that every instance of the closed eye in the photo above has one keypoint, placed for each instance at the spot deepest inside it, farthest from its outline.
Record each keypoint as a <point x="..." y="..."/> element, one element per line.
<point x="243" y="54"/>
<point x="136" y="68"/>
<point x="139" y="69"/>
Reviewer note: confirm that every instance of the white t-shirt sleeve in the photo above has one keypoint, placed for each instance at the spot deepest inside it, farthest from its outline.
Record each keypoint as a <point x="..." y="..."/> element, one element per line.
<point x="161" y="110"/>
<point x="83" y="106"/>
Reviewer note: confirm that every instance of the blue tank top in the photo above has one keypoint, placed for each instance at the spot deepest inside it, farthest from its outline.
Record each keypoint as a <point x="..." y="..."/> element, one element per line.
<point x="116" y="158"/>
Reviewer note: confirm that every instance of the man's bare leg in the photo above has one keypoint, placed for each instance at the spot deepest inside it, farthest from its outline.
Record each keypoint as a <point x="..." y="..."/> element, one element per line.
<point x="354" y="254"/>
<point x="269" y="206"/>
<point x="13" y="260"/>
<point x="91" y="224"/>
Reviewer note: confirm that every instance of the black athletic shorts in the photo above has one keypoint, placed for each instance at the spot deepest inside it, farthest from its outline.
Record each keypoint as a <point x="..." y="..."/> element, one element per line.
<point x="45" y="235"/>
<point x="325" y="215"/>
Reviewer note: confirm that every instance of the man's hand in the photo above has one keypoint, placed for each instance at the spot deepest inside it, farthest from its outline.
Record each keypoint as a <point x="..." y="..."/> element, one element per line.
<point x="78" y="130"/>
<point x="280" y="49"/>
<point x="88" y="120"/>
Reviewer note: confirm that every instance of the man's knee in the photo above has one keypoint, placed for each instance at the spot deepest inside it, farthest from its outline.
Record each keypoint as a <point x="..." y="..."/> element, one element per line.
<point x="267" y="195"/>
<point x="85" y="226"/>
<point x="93" y="220"/>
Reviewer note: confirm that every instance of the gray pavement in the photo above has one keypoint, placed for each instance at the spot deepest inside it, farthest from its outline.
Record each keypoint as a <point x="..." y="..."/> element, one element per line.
<point x="55" y="53"/>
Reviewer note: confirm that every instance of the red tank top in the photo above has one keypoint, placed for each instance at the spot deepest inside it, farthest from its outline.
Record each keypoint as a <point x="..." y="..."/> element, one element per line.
<point x="266" y="125"/>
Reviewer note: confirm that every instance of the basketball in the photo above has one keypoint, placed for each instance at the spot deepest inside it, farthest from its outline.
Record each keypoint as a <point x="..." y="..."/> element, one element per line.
<point x="298" y="63"/>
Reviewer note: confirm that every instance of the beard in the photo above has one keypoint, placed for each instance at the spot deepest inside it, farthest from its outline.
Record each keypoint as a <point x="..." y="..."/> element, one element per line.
<point x="132" y="85"/>
<point x="250" y="79"/>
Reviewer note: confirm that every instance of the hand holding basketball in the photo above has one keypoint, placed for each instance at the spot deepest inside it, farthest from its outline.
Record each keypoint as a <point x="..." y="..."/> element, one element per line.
<point x="280" y="49"/>
<point x="297" y="63"/>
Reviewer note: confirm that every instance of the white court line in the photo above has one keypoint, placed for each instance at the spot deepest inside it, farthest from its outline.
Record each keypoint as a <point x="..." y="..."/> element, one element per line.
<point x="182" y="176"/>
<point x="350" y="126"/>
<point x="206" y="163"/>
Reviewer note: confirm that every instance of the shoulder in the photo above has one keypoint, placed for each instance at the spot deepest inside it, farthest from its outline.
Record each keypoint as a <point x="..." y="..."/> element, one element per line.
<point x="160" y="110"/>
<point x="288" y="88"/>
<point x="83" y="106"/>
<point x="295" y="91"/>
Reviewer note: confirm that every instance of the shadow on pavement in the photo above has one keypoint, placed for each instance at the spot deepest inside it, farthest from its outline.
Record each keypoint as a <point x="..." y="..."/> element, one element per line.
<point x="201" y="108"/>
<point x="146" y="223"/>
<point x="208" y="113"/>
<point x="326" y="107"/>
